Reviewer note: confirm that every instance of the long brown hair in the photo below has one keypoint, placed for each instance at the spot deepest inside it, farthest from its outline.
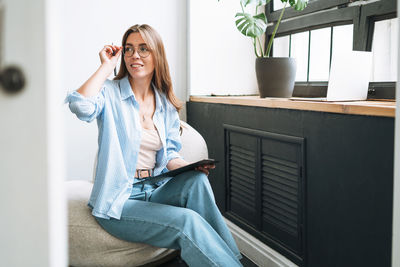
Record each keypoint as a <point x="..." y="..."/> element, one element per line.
<point x="161" y="77"/>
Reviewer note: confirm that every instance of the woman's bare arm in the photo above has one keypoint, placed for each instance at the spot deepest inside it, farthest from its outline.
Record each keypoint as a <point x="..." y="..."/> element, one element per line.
<point x="109" y="57"/>
<point x="178" y="162"/>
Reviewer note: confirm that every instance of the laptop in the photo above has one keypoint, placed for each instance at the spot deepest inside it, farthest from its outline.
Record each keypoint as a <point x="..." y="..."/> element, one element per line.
<point x="348" y="78"/>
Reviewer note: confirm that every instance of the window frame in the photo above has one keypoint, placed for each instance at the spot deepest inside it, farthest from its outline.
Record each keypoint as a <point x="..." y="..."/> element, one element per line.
<point x="328" y="13"/>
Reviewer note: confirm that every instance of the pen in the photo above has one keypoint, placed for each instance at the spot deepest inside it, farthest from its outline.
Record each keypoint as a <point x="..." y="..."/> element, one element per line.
<point x="115" y="69"/>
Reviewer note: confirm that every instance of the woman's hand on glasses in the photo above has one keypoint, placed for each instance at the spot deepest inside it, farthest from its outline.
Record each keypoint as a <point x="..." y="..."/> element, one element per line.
<point x="110" y="54"/>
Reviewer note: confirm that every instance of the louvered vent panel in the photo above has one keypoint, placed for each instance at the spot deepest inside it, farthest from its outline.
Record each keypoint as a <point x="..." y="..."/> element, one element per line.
<point x="265" y="186"/>
<point x="280" y="193"/>
<point x="242" y="182"/>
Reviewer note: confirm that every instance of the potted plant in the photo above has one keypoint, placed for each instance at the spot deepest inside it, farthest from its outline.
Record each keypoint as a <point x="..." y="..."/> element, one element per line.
<point x="275" y="76"/>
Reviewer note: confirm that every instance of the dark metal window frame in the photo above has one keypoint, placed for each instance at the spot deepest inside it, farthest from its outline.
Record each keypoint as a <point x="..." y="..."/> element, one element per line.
<point x="328" y="13"/>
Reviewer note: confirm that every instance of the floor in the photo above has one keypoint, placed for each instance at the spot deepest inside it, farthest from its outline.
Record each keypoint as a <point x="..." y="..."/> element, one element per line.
<point x="178" y="262"/>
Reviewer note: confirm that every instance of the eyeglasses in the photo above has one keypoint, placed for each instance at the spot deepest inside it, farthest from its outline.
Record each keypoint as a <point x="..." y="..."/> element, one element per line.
<point x="142" y="50"/>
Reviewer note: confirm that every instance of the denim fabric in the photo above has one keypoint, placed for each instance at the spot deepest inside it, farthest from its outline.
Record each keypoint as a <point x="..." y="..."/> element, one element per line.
<point x="120" y="132"/>
<point x="180" y="214"/>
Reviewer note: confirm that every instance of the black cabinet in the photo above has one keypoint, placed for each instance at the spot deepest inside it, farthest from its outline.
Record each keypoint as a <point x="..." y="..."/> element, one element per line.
<point x="315" y="186"/>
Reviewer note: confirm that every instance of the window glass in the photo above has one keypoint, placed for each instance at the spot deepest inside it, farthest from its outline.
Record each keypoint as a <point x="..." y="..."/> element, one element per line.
<point x="299" y="50"/>
<point x="278" y="5"/>
<point x="384" y="51"/>
<point x="342" y="39"/>
<point x="320" y="54"/>
<point x="281" y="46"/>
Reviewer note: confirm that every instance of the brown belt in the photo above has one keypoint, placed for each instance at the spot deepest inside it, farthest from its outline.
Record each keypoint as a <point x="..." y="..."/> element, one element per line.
<point x="143" y="173"/>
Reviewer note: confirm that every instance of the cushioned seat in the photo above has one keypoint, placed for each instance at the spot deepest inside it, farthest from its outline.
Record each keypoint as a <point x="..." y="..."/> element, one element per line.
<point x="90" y="245"/>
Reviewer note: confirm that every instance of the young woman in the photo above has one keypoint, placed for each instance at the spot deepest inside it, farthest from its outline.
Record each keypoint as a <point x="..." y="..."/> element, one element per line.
<point x="138" y="137"/>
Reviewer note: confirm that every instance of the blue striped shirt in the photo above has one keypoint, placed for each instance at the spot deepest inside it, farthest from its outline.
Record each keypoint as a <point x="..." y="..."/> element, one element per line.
<point x="117" y="113"/>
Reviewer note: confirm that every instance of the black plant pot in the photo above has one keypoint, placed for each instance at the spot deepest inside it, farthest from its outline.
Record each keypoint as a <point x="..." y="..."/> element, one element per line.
<point x="276" y="76"/>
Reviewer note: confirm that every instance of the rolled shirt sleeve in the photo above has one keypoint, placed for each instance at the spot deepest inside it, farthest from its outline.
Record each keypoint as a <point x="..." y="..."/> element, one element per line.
<point x="86" y="108"/>
<point x="173" y="140"/>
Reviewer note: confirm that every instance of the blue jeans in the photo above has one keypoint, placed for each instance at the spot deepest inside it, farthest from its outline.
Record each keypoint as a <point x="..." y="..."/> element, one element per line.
<point x="180" y="214"/>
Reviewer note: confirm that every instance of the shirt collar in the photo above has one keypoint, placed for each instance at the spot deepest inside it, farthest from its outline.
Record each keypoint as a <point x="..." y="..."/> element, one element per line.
<point x="126" y="92"/>
<point x="126" y="89"/>
<point x="159" y="106"/>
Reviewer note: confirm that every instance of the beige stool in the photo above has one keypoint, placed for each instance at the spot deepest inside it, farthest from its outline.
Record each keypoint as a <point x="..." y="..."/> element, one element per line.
<point x="90" y="245"/>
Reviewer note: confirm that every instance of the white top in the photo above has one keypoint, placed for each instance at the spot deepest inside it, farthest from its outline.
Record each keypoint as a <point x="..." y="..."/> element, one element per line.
<point x="149" y="146"/>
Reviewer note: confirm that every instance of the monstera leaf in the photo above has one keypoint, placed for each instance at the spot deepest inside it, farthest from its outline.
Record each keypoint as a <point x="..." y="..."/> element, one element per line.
<point x="297" y="4"/>
<point x="255" y="26"/>
<point x="257" y="2"/>
<point x="252" y="26"/>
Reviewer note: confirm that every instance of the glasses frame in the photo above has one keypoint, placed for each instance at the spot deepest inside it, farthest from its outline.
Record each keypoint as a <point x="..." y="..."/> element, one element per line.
<point x="135" y="49"/>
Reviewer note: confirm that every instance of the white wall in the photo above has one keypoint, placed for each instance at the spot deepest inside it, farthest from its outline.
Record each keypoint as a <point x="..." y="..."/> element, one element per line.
<point x="222" y="60"/>
<point x="86" y="27"/>
<point x="33" y="213"/>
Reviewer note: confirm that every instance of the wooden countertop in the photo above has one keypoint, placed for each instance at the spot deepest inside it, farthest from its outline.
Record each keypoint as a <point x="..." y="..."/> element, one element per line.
<point x="368" y="108"/>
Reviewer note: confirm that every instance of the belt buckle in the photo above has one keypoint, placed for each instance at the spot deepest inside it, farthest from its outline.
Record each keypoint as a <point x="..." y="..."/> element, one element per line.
<point x="142" y="176"/>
